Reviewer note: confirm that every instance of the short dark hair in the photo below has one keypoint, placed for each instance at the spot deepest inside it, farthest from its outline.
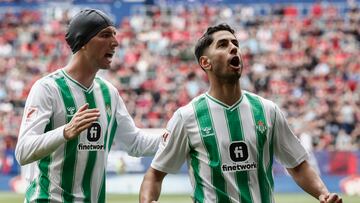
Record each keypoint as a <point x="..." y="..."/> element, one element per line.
<point x="206" y="39"/>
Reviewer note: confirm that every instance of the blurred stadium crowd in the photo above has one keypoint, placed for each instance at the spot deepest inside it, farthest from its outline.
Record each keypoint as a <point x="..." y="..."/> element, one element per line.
<point x="308" y="64"/>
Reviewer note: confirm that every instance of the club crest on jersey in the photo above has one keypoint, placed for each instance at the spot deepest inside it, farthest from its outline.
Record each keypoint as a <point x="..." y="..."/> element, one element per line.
<point x="93" y="135"/>
<point x="207" y="131"/>
<point x="108" y="110"/>
<point x="261" y="127"/>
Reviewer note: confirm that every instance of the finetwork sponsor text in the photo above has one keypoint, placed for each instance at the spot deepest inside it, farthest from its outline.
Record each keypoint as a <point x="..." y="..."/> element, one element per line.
<point x="238" y="167"/>
<point x="90" y="147"/>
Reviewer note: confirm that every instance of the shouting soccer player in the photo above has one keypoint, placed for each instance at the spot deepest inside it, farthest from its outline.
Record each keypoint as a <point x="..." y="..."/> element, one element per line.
<point x="229" y="137"/>
<point x="71" y="118"/>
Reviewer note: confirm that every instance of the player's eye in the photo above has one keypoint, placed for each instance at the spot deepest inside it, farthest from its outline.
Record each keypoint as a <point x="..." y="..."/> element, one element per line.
<point x="106" y="35"/>
<point x="236" y="43"/>
<point x="222" y="44"/>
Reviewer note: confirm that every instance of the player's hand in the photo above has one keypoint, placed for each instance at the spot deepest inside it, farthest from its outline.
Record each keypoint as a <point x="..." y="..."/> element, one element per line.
<point x="81" y="120"/>
<point x="330" y="198"/>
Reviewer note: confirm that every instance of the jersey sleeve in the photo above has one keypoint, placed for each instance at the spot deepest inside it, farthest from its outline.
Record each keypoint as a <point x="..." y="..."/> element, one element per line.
<point x="33" y="144"/>
<point x="287" y="147"/>
<point x="130" y="138"/>
<point x="173" y="148"/>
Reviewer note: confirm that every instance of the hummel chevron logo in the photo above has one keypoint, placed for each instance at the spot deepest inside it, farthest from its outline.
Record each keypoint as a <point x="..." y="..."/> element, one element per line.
<point x="71" y="110"/>
<point x="207" y="131"/>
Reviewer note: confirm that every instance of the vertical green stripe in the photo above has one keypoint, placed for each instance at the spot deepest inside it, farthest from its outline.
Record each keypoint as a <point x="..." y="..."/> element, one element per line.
<point x="198" y="192"/>
<point x="103" y="189"/>
<point x="271" y="154"/>
<point x="43" y="165"/>
<point x="70" y="151"/>
<point x="107" y="101"/>
<point x="112" y="134"/>
<point x="207" y="133"/>
<point x="90" y="163"/>
<point x="237" y="134"/>
<point x="261" y="130"/>
<point x="30" y="191"/>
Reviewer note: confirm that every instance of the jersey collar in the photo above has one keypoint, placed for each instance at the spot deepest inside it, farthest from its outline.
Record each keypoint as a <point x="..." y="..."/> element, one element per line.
<point x="227" y="107"/>
<point x="77" y="83"/>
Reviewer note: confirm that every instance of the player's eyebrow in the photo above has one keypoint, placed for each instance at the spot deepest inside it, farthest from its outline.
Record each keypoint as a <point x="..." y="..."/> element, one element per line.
<point x="108" y="31"/>
<point x="220" y="41"/>
<point x="234" y="41"/>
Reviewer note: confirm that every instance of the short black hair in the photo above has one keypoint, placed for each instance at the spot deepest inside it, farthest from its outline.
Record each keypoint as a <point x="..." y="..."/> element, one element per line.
<point x="206" y="39"/>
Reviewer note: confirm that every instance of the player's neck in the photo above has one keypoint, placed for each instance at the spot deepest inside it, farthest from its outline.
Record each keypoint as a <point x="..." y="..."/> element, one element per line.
<point x="81" y="72"/>
<point x="227" y="93"/>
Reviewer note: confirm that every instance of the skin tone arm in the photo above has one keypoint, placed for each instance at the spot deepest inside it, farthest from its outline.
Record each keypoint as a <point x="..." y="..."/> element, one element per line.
<point x="151" y="186"/>
<point x="305" y="176"/>
<point x="82" y="120"/>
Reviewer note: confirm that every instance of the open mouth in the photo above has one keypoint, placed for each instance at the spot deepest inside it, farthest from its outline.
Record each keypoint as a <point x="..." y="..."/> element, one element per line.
<point x="109" y="55"/>
<point x="235" y="61"/>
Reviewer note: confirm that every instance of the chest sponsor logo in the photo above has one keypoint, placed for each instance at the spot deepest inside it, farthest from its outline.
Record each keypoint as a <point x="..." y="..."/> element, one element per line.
<point x="239" y="154"/>
<point x="239" y="167"/>
<point x="93" y="135"/>
<point x="94" y="132"/>
<point x="238" y="151"/>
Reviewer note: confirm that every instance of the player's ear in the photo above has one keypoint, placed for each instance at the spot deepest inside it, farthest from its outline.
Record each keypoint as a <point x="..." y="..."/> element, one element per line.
<point x="205" y="62"/>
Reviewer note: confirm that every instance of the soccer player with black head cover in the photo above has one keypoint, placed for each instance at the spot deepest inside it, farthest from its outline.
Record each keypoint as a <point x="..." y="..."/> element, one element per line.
<point x="72" y="117"/>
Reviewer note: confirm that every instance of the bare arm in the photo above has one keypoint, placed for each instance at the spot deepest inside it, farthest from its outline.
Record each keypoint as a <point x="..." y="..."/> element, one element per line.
<point x="151" y="186"/>
<point x="305" y="176"/>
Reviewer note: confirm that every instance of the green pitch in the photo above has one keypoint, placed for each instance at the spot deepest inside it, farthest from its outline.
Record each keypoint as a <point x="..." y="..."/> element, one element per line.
<point x="112" y="198"/>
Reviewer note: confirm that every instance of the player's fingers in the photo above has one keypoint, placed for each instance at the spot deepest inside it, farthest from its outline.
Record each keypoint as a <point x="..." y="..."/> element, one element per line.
<point x="333" y="198"/>
<point x="84" y="127"/>
<point x="87" y="121"/>
<point x="322" y="198"/>
<point x="86" y="111"/>
<point x="77" y="120"/>
<point x="339" y="200"/>
<point x="90" y="115"/>
<point x="83" y="107"/>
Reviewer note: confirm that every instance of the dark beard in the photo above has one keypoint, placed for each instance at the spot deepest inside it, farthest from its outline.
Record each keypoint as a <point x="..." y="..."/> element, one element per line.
<point x="230" y="79"/>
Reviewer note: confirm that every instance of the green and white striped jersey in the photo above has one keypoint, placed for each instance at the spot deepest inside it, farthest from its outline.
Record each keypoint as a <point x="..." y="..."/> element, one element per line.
<point x="229" y="149"/>
<point x="73" y="171"/>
